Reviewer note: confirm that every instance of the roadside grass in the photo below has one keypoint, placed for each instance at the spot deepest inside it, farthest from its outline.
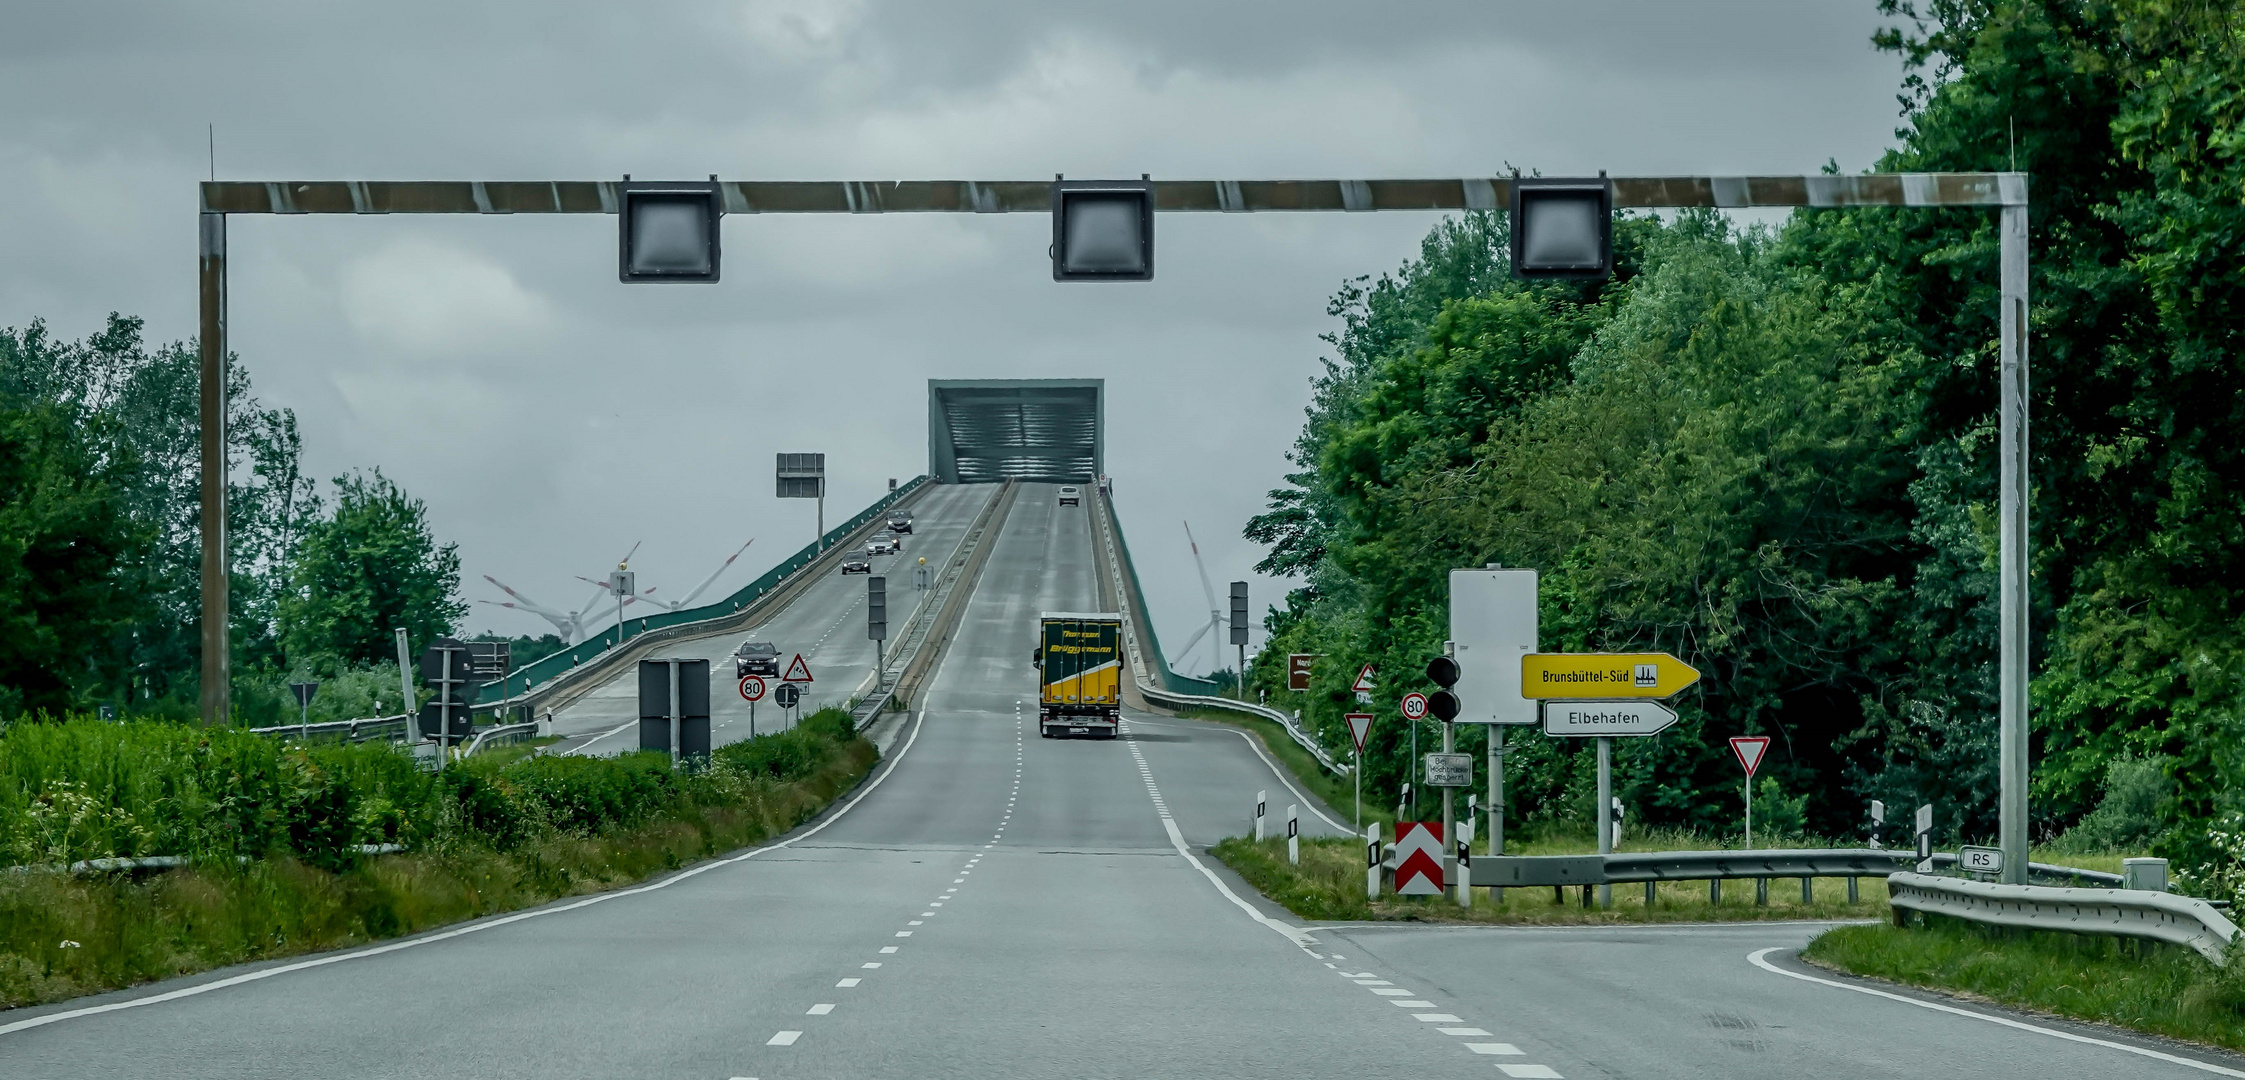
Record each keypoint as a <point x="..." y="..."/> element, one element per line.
<point x="2142" y="986"/>
<point x="509" y="835"/>
<point x="1329" y="885"/>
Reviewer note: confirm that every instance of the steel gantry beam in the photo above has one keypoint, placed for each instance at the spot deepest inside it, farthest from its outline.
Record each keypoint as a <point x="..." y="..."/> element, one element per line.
<point x="2006" y="190"/>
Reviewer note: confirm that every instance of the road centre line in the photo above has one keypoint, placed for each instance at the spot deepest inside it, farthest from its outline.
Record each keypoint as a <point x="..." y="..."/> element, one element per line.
<point x="1759" y="959"/>
<point x="918" y="720"/>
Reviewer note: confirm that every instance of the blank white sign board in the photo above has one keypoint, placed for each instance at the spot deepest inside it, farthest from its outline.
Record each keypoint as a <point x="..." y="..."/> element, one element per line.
<point x="1492" y="625"/>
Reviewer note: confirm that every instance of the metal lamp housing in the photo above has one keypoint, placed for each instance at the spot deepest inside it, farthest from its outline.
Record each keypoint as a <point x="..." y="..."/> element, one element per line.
<point x="1562" y="229"/>
<point x="668" y="231"/>
<point x="1103" y="230"/>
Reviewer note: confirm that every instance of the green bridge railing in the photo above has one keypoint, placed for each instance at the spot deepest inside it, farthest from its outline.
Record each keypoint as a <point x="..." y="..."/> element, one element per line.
<point x="545" y="669"/>
<point x="1170" y="680"/>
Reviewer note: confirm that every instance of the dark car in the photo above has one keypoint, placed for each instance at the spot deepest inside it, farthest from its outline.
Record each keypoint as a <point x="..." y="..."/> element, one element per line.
<point x="857" y="564"/>
<point x="756" y="658"/>
<point x="900" y="523"/>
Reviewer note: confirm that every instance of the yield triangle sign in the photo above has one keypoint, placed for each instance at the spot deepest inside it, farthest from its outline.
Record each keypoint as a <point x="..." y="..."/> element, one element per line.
<point x="1750" y="749"/>
<point x="1363" y="683"/>
<point x="1359" y="724"/>
<point x="801" y="672"/>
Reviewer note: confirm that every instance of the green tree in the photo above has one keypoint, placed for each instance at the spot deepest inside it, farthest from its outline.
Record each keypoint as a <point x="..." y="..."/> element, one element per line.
<point x="71" y="558"/>
<point x="370" y="568"/>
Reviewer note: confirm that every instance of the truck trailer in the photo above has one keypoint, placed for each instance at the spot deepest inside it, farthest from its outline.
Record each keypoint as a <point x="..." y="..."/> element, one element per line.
<point x="1079" y="665"/>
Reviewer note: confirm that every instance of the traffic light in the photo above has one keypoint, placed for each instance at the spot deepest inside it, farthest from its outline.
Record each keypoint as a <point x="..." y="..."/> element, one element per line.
<point x="1239" y="613"/>
<point x="669" y="230"/>
<point x="1103" y="230"/>
<point x="1562" y="229"/>
<point x="1443" y="672"/>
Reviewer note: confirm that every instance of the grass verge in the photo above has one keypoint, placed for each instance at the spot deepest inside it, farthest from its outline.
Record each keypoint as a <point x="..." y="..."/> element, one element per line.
<point x="515" y="836"/>
<point x="1338" y="793"/>
<point x="2142" y="986"/>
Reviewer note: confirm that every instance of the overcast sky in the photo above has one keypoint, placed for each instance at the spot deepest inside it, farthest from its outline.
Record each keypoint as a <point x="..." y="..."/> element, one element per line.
<point x="552" y="418"/>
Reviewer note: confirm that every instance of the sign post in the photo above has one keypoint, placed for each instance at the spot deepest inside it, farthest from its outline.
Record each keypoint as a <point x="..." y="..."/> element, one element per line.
<point x="752" y="691"/>
<point x="1360" y="724"/>
<point x="1492" y="628"/>
<point x="1750" y="749"/>
<point x="303" y="692"/>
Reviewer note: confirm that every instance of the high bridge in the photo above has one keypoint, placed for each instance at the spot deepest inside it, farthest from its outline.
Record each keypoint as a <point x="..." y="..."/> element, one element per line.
<point x="992" y="904"/>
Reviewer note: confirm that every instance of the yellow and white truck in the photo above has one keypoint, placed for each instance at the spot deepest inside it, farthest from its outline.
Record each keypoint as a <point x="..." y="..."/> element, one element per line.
<point x="1079" y="665"/>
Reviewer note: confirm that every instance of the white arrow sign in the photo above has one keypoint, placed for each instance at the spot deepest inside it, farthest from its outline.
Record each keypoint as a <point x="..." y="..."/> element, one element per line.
<point x="1605" y="718"/>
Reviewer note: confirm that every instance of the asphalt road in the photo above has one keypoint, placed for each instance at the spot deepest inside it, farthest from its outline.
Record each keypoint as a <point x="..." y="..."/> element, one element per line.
<point x="994" y="904"/>
<point x="826" y="624"/>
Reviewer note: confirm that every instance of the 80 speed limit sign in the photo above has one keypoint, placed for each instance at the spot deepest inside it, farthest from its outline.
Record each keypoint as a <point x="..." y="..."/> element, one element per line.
<point x="1414" y="706"/>
<point x="752" y="688"/>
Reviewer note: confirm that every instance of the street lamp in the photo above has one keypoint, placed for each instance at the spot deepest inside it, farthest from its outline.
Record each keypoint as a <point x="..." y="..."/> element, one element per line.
<point x="1103" y="230"/>
<point x="668" y="231"/>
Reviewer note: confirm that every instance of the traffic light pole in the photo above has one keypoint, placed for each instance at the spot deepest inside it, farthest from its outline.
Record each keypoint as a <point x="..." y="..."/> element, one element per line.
<point x="2005" y="190"/>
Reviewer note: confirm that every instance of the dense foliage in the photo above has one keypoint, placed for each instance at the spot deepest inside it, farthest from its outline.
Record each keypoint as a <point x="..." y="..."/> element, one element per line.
<point x="100" y="525"/>
<point x="1772" y="452"/>
<point x="86" y="789"/>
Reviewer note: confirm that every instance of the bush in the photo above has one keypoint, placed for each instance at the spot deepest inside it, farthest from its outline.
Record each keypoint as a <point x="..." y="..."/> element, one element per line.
<point x="2127" y="817"/>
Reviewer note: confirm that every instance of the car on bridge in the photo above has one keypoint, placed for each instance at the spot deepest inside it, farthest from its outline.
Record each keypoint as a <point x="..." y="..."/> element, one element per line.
<point x="756" y="658"/>
<point x="857" y="564"/>
<point x="884" y="544"/>
<point x="1070" y="496"/>
<point x="900" y="522"/>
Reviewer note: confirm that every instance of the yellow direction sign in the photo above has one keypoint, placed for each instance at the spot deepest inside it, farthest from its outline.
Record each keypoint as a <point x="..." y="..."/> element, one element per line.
<point x="1603" y="675"/>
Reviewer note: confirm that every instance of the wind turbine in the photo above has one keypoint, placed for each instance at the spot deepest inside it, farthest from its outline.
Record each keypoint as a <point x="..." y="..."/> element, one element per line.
<point x="688" y="601"/>
<point x="571" y="625"/>
<point x="1212" y="629"/>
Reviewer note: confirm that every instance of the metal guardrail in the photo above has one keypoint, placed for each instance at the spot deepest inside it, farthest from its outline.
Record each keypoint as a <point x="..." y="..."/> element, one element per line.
<point x="360" y="730"/>
<point x="128" y="863"/>
<point x="507" y="732"/>
<point x="2137" y="913"/>
<point x="936" y="616"/>
<point x="1285" y="720"/>
<point x="1628" y="867"/>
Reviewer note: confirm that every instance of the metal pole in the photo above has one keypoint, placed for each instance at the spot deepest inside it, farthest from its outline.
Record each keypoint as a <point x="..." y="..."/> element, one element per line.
<point x="2012" y="747"/>
<point x="673" y="665"/>
<point x="1356" y="771"/>
<point x="1449" y="818"/>
<point x="1240" y="682"/>
<point x="1411" y="790"/>
<point x="405" y="684"/>
<point x="217" y="666"/>
<point x="1749" y="813"/>
<point x="304" y="721"/>
<point x="822" y="513"/>
<point x="1496" y="800"/>
<point x="1605" y="811"/>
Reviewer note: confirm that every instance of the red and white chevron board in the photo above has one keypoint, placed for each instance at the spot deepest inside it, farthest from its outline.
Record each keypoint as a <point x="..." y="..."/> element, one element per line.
<point x="1418" y="858"/>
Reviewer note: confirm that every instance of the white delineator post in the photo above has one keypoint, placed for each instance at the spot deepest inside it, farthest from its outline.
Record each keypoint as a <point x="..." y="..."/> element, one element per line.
<point x="1371" y="862"/>
<point x="1260" y="798"/>
<point x="2013" y="551"/>
<point x="1465" y="853"/>
<point x="1293" y="836"/>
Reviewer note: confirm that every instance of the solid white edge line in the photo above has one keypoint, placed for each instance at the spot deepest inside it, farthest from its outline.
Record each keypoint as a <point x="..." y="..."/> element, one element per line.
<point x="445" y="935"/>
<point x="1285" y="780"/>
<point x="1757" y="959"/>
<point x="580" y="747"/>
<point x="1301" y="938"/>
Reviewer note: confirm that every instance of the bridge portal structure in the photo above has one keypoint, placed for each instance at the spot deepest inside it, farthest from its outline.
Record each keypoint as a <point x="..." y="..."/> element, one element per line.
<point x="983" y="431"/>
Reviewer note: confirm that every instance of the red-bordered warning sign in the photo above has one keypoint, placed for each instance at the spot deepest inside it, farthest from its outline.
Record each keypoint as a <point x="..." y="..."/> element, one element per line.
<point x="797" y="671"/>
<point x="1418" y="858"/>
<point x="1363" y="684"/>
<point x="1750" y="749"/>
<point x="1360" y="724"/>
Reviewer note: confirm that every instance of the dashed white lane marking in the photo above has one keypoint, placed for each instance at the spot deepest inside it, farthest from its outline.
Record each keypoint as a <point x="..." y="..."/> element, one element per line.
<point x="1436" y="1018"/>
<point x="821" y="1009"/>
<point x="1758" y="959"/>
<point x="1470" y="1033"/>
<point x="1528" y="1072"/>
<point x="888" y="949"/>
<point x="1391" y="991"/>
<point x="871" y="964"/>
<point x="1494" y="1048"/>
<point x="784" y="1038"/>
<point x="846" y="983"/>
<point x="904" y="933"/>
<point x="1414" y="1005"/>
